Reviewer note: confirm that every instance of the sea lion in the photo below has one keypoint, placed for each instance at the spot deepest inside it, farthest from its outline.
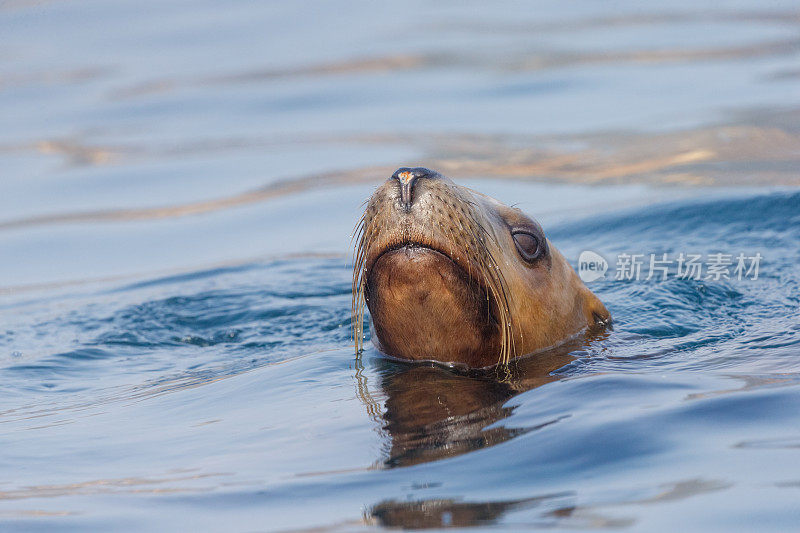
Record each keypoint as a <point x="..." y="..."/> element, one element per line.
<point x="453" y="276"/>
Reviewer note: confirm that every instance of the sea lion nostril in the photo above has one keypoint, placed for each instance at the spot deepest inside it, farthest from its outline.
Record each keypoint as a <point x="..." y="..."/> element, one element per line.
<point x="404" y="173"/>
<point x="407" y="178"/>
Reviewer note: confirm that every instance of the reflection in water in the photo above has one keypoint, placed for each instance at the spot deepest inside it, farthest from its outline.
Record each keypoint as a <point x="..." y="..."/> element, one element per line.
<point x="433" y="412"/>
<point x="154" y="485"/>
<point x="725" y="155"/>
<point x="548" y="510"/>
<point x="450" y="513"/>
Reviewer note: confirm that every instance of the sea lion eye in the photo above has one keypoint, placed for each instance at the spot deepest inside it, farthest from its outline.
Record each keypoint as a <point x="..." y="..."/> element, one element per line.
<point x="527" y="245"/>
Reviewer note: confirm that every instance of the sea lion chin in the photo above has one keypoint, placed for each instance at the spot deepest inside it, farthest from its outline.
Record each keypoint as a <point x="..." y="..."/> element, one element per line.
<point x="454" y="276"/>
<point x="426" y="283"/>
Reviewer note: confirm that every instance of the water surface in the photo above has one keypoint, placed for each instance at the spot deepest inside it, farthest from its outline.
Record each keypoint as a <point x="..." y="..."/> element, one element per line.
<point x="178" y="189"/>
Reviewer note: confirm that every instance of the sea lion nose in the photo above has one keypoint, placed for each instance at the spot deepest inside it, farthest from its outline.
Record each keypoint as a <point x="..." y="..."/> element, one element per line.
<point x="407" y="177"/>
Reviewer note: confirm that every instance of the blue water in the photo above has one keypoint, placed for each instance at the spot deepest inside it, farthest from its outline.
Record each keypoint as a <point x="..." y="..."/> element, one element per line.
<point x="230" y="396"/>
<point x="178" y="187"/>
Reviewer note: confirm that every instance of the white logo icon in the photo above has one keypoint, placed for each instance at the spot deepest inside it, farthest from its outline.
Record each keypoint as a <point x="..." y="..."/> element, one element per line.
<point x="591" y="266"/>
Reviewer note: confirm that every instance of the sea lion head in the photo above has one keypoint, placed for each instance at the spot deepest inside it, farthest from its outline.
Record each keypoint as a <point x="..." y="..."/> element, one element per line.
<point x="454" y="276"/>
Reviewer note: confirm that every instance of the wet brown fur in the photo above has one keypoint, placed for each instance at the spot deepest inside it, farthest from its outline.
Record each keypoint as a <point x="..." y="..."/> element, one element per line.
<point x="443" y="279"/>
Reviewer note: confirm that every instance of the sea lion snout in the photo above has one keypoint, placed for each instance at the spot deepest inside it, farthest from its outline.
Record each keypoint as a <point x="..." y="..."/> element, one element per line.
<point x="407" y="178"/>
